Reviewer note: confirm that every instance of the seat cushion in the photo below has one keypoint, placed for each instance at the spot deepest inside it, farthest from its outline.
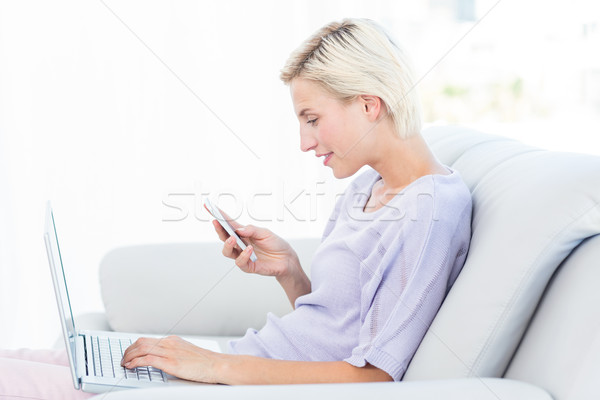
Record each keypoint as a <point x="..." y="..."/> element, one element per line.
<point x="531" y="208"/>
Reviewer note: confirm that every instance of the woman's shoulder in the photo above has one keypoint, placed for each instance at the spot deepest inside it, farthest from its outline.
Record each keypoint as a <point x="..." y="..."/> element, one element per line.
<point x="443" y="198"/>
<point x="435" y="194"/>
<point x="450" y="186"/>
<point x="436" y="184"/>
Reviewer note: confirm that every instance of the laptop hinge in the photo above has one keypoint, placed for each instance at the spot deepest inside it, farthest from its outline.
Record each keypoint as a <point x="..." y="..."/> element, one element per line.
<point x="80" y="355"/>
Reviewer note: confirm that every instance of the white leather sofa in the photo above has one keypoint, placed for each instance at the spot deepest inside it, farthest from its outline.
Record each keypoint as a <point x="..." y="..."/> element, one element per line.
<point x="521" y="322"/>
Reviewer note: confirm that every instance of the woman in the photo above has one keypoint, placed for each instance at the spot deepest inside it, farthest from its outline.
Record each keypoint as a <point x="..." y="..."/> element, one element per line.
<point x="392" y="248"/>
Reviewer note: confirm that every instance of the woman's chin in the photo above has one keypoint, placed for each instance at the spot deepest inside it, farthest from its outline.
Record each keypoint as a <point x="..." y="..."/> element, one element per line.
<point x="342" y="173"/>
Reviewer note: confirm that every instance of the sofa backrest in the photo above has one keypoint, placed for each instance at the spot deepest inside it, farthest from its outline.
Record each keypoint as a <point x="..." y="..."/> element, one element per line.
<point x="199" y="292"/>
<point x="560" y="351"/>
<point x="531" y="209"/>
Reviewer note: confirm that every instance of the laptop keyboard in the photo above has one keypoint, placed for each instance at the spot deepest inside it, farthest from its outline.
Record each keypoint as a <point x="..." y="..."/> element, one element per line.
<point x="107" y="354"/>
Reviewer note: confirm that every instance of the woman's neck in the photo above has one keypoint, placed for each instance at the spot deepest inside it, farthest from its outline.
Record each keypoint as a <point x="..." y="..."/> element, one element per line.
<point x="399" y="162"/>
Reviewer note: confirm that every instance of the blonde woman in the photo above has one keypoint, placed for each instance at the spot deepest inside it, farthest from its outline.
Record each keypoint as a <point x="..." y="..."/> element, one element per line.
<point x="392" y="248"/>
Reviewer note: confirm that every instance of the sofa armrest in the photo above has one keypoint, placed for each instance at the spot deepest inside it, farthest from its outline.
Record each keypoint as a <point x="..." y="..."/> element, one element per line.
<point x="456" y="389"/>
<point x="188" y="289"/>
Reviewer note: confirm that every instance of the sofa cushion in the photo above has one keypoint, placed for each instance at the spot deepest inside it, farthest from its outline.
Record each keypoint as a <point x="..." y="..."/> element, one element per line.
<point x="531" y="207"/>
<point x="480" y="389"/>
<point x="188" y="288"/>
<point x="561" y="348"/>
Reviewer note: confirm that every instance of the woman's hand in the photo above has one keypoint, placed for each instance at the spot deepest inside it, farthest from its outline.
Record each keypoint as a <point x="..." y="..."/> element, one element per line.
<point x="275" y="257"/>
<point x="174" y="356"/>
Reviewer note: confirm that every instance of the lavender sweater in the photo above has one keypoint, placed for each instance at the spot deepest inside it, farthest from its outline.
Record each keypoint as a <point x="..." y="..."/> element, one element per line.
<point x="378" y="278"/>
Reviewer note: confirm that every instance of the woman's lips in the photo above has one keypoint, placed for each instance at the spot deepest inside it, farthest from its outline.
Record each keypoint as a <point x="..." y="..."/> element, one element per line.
<point x="327" y="157"/>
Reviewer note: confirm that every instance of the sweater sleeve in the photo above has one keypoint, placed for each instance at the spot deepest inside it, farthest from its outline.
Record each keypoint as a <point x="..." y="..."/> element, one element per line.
<point x="404" y="279"/>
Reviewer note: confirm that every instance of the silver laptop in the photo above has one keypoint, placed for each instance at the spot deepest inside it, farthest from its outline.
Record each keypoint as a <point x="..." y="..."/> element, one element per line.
<point x="95" y="356"/>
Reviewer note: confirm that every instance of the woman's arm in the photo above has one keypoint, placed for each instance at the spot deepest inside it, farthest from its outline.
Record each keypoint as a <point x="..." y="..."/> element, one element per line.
<point x="250" y="370"/>
<point x="295" y="283"/>
<point x="177" y="357"/>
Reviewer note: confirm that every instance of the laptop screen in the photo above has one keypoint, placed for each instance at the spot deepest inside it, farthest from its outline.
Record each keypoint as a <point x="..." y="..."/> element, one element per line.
<point x="60" y="288"/>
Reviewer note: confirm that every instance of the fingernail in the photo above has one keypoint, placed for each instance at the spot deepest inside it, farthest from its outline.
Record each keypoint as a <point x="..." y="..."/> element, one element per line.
<point x="241" y="229"/>
<point x="248" y="249"/>
<point x="127" y="364"/>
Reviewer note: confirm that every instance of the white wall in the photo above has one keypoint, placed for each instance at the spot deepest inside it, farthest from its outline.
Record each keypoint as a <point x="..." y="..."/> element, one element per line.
<point x="112" y="109"/>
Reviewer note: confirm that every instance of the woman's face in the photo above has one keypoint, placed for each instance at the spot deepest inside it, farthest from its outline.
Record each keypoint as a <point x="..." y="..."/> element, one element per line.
<point x="334" y="130"/>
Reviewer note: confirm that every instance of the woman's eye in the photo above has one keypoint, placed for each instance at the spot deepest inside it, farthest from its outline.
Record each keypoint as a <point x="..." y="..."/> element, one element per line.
<point x="311" y="121"/>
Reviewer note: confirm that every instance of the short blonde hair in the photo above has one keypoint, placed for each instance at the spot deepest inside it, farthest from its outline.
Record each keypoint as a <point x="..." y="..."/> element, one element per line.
<point x="357" y="57"/>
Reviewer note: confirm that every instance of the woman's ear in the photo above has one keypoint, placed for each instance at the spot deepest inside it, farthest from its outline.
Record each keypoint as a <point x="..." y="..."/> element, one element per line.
<point x="372" y="106"/>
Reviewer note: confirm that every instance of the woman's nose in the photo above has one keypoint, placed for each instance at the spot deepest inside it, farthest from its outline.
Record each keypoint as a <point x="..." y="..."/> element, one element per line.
<point x="307" y="142"/>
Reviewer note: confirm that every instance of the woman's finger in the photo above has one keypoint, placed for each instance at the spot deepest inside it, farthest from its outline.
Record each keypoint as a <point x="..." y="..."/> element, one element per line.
<point x="144" y="351"/>
<point x="230" y="248"/>
<point x="252" y="232"/>
<point x="243" y="260"/>
<point x="149" y="360"/>
<point x="142" y="346"/>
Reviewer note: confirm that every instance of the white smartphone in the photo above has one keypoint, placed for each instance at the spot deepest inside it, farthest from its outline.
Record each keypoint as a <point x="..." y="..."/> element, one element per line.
<point x="215" y="212"/>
